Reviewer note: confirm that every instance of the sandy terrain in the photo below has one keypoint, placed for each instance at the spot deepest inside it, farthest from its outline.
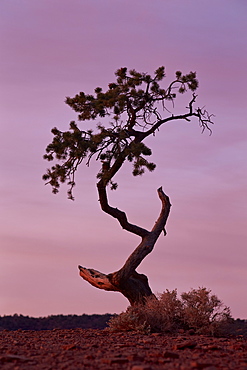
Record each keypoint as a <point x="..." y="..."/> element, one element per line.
<point x="100" y="349"/>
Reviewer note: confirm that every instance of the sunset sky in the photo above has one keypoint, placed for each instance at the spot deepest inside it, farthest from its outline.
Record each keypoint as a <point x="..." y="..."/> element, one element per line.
<point x="51" y="49"/>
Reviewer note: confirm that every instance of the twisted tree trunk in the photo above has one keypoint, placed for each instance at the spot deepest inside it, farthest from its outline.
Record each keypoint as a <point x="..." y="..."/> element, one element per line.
<point x="112" y="146"/>
<point x="127" y="280"/>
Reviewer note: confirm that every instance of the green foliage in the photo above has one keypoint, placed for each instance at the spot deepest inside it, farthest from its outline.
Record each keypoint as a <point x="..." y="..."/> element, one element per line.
<point x="133" y="104"/>
<point x="198" y="311"/>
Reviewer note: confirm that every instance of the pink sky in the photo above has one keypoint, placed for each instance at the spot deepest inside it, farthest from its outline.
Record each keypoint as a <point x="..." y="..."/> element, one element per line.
<point x="53" y="49"/>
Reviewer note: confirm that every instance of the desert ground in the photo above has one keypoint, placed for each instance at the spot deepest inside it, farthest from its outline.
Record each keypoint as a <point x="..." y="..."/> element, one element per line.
<point x="94" y="349"/>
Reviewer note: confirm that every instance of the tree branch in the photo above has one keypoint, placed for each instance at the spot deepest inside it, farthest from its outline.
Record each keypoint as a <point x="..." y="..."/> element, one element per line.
<point x="97" y="279"/>
<point x="148" y="241"/>
<point x="159" y="225"/>
<point x="203" y="116"/>
<point x="118" y="214"/>
<point x="135" y="289"/>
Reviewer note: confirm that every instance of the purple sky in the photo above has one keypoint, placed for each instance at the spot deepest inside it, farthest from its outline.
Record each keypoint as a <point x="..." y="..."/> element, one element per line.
<point x="53" y="49"/>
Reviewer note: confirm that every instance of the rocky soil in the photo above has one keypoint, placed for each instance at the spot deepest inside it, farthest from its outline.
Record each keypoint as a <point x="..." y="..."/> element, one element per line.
<point x="101" y="349"/>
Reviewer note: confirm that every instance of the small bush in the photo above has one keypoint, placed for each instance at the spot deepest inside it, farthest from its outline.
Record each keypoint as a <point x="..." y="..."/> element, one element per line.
<point x="204" y="312"/>
<point x="198" y="311"/>
<point x="131" y="320"/>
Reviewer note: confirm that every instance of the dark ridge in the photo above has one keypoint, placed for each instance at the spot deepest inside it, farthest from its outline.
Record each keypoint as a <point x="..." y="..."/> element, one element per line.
<point x="84" y="321"/>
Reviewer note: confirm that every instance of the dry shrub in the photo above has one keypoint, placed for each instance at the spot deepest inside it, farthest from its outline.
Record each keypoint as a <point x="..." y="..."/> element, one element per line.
<point x="198" y="311"/>
<point x="204" y="312"/>
<point x="131" y="320"/>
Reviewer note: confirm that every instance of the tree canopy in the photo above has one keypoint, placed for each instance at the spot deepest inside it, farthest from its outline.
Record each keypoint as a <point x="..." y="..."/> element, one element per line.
<point x="135" y="104"/>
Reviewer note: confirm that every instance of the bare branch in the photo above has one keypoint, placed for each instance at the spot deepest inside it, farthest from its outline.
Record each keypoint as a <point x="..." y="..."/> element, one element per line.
<point x="159" y="225"/>
<point x="203" y="116"/>
<point x="97" y="279"/>
<point x="116" y="213"/>
<point x="204" y="119"/>
<point x="148" y="241"/>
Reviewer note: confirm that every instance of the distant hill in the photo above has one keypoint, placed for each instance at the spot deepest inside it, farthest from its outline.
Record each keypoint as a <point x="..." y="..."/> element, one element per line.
<point x="84" y="321"/>
<point x="236" y="327"/>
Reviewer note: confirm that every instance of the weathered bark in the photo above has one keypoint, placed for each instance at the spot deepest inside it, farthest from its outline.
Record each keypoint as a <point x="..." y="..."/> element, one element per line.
<point x="127" y="280"/>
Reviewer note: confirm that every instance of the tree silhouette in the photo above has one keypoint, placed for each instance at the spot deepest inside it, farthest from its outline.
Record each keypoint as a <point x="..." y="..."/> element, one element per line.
<point x="135" y="105"/>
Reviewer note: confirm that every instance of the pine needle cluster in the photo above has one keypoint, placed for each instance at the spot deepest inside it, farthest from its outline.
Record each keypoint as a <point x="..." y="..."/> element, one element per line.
<point x="134" y="104"/>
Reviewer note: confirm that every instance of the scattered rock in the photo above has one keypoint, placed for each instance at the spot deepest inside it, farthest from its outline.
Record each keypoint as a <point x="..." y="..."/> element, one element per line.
<point x="201" y="365"/>
<point x="168" y="354"/>
<point x="188" y="344"/>
<point x="134" y="358"/>
<point x="10" y="358"/>
<point x="70" y="346"/>
<point x="98" y="349"/>
<point x="114" y="360"/>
